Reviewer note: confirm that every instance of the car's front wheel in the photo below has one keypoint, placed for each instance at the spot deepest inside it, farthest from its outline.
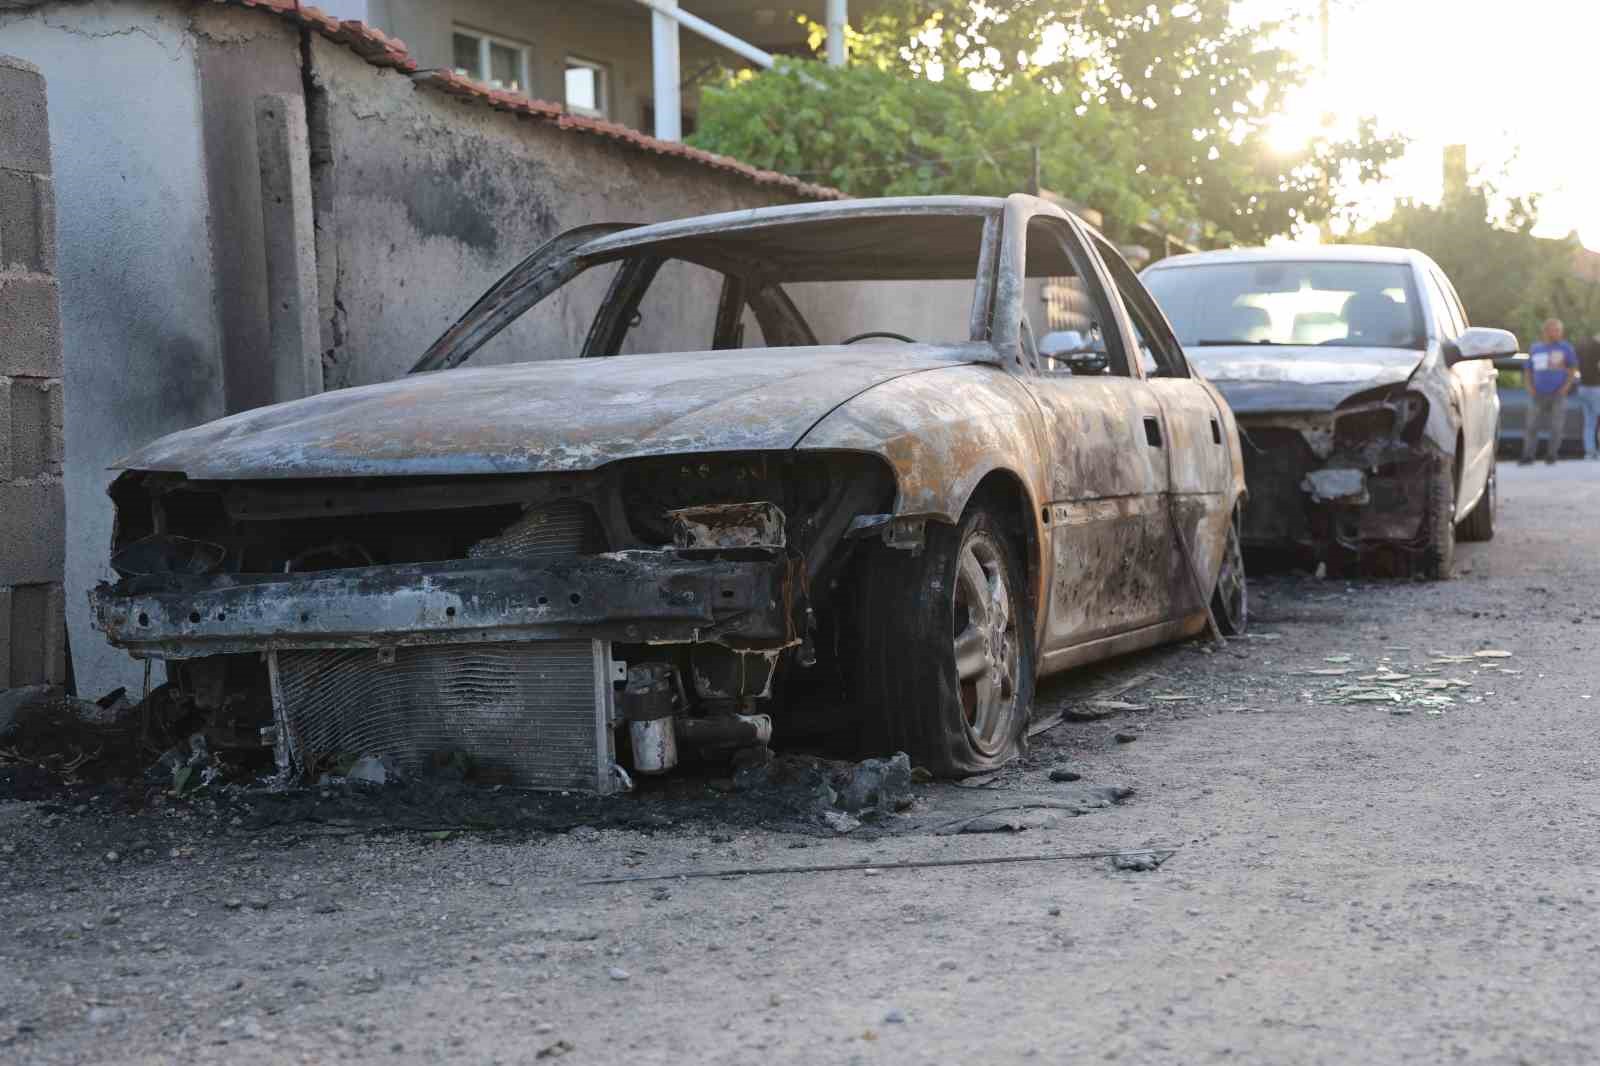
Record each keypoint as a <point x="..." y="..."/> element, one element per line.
<point x="946" y="670"/>
<point x="1439" y="553"/>
<point x="1479" y="525"/>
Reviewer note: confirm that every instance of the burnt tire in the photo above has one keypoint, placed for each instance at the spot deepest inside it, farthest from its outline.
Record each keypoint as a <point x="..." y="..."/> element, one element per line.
<point x="946" y="665"/>
<point x="1230" y="600"/>
<point x="1479" y="525"/>
<point x="1439" y="552"/>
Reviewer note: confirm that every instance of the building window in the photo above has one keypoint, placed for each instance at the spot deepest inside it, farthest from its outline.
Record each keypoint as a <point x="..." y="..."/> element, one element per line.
<point x="586" y="87"/>
<point x="496" y="62"/>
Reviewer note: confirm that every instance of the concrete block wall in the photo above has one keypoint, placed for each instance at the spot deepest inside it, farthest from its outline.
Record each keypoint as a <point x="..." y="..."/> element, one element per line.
<point x="32" y="502"/>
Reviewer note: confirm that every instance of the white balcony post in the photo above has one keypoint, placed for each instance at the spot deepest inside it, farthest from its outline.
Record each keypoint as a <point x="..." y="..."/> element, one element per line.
<point x="665" y="68"/>
<point x="838" y="19"/>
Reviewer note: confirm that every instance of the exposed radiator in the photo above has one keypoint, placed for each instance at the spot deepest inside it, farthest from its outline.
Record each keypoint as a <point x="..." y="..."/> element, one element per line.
<point x="567" y="527"/>
<point x="536" y="714"/>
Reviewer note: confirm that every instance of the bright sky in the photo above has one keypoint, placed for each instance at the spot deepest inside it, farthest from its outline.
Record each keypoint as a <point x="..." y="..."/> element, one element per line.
<point x="1514" y="80"/>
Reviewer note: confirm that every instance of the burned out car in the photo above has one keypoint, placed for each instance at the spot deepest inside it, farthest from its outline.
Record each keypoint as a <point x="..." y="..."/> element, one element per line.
<point x="1366" y="404"/>
<point x="585" y="561"/>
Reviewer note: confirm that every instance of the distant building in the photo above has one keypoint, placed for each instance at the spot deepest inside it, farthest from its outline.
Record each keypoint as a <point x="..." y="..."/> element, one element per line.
<point x="596" y="57"/>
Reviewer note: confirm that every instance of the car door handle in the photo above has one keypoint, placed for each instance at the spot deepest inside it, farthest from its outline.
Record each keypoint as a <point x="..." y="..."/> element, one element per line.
<point x="1152" y="431"/>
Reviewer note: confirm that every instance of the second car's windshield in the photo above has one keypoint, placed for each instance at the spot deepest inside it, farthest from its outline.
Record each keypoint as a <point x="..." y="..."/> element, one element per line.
<point x="1367" y="305"/>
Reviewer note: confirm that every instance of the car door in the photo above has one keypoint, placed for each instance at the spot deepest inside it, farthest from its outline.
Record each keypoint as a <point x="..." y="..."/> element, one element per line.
<point x="1109" y="534"/>
<point x="1199" y="453"/>
<point x="1475" y="382"/>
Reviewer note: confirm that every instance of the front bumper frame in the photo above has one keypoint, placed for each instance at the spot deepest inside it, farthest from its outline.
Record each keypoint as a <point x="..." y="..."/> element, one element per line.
<point x="629" y="597"/>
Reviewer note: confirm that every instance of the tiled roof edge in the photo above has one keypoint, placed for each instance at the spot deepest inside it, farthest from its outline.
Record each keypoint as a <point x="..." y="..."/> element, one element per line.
<point x="381" y="50"/>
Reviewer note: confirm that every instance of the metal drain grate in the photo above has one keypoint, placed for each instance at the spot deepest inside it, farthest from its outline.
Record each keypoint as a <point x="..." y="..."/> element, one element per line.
<point x="536" y="714"/>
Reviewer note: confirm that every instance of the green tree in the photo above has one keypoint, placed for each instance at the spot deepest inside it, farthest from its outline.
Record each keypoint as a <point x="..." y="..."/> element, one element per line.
<point x="1505" y="275"/>
<point x="1148" y="111"/>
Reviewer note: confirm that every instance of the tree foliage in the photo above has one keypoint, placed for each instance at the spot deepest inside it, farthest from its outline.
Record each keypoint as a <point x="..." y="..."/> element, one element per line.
<point x="1504" y="275"/>
<point x="1147" y="111"/>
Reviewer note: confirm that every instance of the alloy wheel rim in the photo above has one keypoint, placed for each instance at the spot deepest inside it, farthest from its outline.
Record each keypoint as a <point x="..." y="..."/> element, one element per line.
<point x="985" y="641"/>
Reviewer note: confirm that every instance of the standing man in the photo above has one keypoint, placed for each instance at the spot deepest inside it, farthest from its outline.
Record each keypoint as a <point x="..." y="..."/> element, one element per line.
<point x="1589" y="392"/>
<point x="1552" y="373"/>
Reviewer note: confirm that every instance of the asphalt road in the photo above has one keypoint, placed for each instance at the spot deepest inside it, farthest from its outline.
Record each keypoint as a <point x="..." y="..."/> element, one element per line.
<point x="1410" y="877"/>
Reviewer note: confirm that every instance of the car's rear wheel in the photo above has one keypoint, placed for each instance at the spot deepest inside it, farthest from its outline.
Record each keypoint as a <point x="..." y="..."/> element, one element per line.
<point x="1439" y="553"/>
<point x="1230" y="601"/>
<point x="946" y="670"/>
<point x="1479" y="525"/>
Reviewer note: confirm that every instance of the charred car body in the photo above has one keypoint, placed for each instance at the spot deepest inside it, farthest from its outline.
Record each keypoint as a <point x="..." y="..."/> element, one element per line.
<point x="527" y="563"/>
<point x="1366" y="404"/>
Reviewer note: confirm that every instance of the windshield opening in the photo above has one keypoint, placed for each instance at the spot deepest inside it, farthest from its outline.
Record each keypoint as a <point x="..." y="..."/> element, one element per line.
<point x="1323" y="304"/>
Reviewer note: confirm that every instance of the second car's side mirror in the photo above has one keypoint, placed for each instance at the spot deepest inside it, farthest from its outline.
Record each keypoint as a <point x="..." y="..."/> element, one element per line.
<point x="1480" y="342"/>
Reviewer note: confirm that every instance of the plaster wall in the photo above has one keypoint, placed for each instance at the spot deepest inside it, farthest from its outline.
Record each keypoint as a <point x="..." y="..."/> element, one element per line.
<point x="139" y="325"/>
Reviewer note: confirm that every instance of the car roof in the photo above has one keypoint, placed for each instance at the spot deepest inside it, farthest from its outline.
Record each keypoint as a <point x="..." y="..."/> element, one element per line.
<point x="911" y="237"/>
<point x="1296" y="253"/>
<point x="789" y="214"/>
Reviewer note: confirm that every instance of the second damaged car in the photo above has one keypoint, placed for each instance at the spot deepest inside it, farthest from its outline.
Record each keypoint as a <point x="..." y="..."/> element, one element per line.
<point x="804" y="457"/>
<point x="1366" y="403"/>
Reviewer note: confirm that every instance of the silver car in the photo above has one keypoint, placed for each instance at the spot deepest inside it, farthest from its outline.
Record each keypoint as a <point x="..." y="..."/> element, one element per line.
<point x="1366" y="404"/>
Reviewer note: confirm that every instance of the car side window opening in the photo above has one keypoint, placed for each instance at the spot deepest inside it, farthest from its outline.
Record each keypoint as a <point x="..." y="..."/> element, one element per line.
<point x="1159" y="352"/>
<point x="1285" y="302"/>
<point x="1079" y="337"/>
<point x="1451" y="323"/>
<point x="677" y="311"/>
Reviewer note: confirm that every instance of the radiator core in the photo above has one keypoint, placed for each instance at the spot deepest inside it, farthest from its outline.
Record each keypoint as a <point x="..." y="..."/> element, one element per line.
<point x="536" y="714"/>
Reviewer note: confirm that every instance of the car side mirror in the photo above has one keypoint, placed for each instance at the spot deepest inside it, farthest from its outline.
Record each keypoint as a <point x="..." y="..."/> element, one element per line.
<point x="1080" y="354"/>
<point x="1480" y="342"/>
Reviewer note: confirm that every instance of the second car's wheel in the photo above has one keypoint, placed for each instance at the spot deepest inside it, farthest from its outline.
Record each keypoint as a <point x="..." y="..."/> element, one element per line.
<point x="946" y="665"/>
<point x="1439" y="553"/>
<point x="1230" y="602"/>
<point x="1479" y="525"/>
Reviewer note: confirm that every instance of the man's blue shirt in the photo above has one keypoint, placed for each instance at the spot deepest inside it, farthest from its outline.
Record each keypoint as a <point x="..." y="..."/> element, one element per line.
<point x="1550" y="364"/>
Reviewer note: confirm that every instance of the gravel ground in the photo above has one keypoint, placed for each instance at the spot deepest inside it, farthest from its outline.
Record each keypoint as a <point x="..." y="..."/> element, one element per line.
<point x="1367" y="867"/>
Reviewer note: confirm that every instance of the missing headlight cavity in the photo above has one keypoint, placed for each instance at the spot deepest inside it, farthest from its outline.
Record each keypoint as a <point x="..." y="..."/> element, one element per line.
<point x="1357" y="488"/>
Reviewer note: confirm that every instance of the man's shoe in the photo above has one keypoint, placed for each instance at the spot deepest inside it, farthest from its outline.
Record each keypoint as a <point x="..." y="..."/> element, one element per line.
<point x="1524" y="462"/>
<point x="1549" y="462"/>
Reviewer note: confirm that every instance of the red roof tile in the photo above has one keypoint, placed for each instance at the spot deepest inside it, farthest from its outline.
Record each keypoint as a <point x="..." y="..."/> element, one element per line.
<point x="381" y="50"/>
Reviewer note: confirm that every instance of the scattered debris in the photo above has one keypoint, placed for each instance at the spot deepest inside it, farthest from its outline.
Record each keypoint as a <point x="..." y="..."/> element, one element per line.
<point x="1114" y="706"/>
<point x="372" y="770"/>
<point x="1140" y="860"/>
<point x="877" y="786"/>
<point x="840" y="821"/>
<point x="1078" y="802"/>
<point x="1491" y="653"/>
<point x="915" y="864"/>
<point x="1126" y="738"/>
<point x="1065" y="775"/>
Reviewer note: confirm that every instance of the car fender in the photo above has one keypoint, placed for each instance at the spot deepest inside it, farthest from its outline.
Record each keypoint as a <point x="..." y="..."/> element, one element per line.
<point x="943" y="432"/>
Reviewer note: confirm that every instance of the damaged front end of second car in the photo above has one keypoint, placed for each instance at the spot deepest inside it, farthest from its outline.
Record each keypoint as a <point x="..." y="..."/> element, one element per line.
<point x="516" y="627"/>
<point x="1355" y="480"/>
